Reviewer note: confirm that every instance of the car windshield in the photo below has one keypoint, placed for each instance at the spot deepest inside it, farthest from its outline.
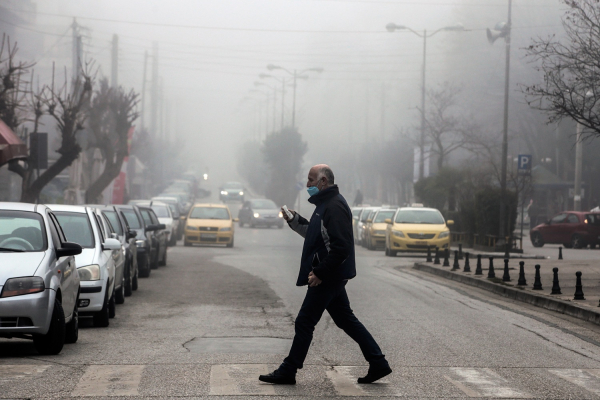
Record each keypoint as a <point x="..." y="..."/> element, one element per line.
<point x="233" y="186"/>
<point x="365" y="215"/>
<point x="21" y="231"/>
<point x="132" y="219"/>
<point x="209" y="213"/>
<point x="356" y="213"/>
<point x="263" y="204"/>
<point x="161" y="211"/>
<point x="77" y="228"/>
<point x="419" y="217"/>
<point x="383" y="215"/>
<point x="114" y="221"/>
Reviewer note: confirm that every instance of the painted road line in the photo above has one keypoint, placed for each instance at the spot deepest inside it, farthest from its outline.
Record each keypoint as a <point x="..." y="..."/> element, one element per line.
<point x="343" y="381"/>
<point x="12" y="372"/>
<point x="109" y="380"/>
<point x="239" y="380"/>
<point x="585" y="378"/>
<point x="483" y="383"/>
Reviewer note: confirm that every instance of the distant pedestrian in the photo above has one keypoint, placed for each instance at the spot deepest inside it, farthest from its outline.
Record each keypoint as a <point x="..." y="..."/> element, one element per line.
<point x="326" y="266"/>
<point x="358" y="200"/>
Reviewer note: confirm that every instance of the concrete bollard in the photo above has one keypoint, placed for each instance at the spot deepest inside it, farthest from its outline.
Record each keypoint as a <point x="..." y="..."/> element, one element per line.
<point x="467" y="267"/>
<point x="560" y="253"/>
<point x="578" y="287"/>
<point x="437" y="256"/>
<point x="455" y="266"/>
<point x="555" y="285"/>
<point x="522" y="281"/>
<point x="446" y="258"/>
<point x="506" y="276"/>
<point x="537" y="284"/>
<point x="478" y="270"/>
<point x="429" y="254"/>
<point x="491" y="273"/>
<point x="460" y="252"/>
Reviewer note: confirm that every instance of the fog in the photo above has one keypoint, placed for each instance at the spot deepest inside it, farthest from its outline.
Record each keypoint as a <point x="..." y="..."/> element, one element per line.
<point x="210" y="53"/>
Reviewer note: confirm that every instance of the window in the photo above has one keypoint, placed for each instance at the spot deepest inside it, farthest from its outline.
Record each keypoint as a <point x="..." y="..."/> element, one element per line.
<point x="356" y="213"/>
<point x="383" y="215"/>
<point x="559" y="219"/>
<point x="108" y="225"/>
<point x="155" y="220"/>
<point x="593" y="219"/>
<point x="209" y="213"/>
<point x="419" y="217"/>
<point x="22" y="231"/>
<point x="365" y="215"/>
<point x="146" y="216"/>
<point x="572" y="219"/>
<point x="161" y="211"/>
<point x="113" y="218"/>
<point x="77" y="228"/>
<point x="132" y="219"/>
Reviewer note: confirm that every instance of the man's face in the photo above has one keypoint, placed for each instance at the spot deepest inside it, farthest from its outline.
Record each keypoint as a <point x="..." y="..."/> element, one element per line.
<point x="313" y="179"/>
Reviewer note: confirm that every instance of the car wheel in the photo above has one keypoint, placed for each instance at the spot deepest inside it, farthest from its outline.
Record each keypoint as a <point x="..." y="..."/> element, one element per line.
<point x="128" y="282"/>
<point x="144" y="267"/>
<point x="52" y="342"/>
<point x="186" y="243"/>
<point x="112" y="308"/>
<point x="536" y="239"/>
<point x="72" y="328"/>
<point x="101" y="318"/>
<point x="393" y="253"/>
<point x="230" y="244"/>
<point x="576" y="242"/>
<point x="163" y="262"/>
<point x="120" y="294"/>
<point x="134" y="282"/>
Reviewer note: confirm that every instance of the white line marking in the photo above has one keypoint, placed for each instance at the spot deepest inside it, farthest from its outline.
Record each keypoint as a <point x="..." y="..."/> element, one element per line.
<point x="485" y="382"/>
<point x="239" y="379"/>
<point x="10" y="372"/>
<point x="587" y="379"/>
<point x="110" y="380"/>
<point x="344" y="382"/>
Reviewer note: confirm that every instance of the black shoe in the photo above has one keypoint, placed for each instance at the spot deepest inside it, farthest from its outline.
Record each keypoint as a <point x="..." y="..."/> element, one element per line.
<point x="278" y="378"/>
<point x="375" y="374"/>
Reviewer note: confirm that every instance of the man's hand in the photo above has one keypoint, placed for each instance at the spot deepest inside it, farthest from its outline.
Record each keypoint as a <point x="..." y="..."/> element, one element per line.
<point x="313" y="280"/>
<point x="285" y="216"/>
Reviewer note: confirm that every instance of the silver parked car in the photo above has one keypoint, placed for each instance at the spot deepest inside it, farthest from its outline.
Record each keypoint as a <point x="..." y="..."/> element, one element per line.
<point x="39" y="282"/>
<point x="96" y="263"/>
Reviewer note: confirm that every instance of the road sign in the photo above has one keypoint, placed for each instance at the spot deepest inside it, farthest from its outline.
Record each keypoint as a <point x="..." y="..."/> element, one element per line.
<point x="524" y="164"/>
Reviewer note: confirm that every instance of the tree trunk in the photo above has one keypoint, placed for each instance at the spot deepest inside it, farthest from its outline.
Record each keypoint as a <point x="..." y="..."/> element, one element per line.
<point x="111" y="171"/>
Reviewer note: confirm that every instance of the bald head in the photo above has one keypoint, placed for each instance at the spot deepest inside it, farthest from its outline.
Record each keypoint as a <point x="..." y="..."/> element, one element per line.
<point x="321" y="176"/>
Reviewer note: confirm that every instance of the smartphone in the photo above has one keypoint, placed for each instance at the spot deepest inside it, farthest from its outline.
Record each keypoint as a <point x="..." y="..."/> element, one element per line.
<point x="287" y="212"/>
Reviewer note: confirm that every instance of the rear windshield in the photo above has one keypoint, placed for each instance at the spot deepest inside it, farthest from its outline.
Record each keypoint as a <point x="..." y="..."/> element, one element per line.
<point x="22" y="231"/>
<point x="419" y="217"/>
<point x="132" y="219"/>
<point x="209" y="213"/>
<point x="113" y="218"/>
<point x="161" y="211"/>
<point x="383" y="215"/>
<point x="77" y="228"/>
<point x="263" y="204"/>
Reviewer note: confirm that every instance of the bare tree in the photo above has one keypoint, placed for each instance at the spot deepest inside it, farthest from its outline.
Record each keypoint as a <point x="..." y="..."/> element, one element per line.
<point x="111" y="116"/>
<point x="14" y="89"/>
<point x="571" y="85"/>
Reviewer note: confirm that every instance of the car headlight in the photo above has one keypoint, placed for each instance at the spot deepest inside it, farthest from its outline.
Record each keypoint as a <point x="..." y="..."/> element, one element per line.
<point x="224" y="192"/>
<point x="280" y="215"/>
<point x="140" y="243"/>
<point x="241" y="193"/>
<point x="397" y="233"/>
<point x="89" y="273"/>
<point x="20" y="286"/>
<point x="444" y="235"/>
<point x="225" y="229"/>
<point x="256" y="215"/>
<point x="191" y="228"/>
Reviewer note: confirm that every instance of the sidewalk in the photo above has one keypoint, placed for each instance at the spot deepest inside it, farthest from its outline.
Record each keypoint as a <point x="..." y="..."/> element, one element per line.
<point x="587" y="309"/>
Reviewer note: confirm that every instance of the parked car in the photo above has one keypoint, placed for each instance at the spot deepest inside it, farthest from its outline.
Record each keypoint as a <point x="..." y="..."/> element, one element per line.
<point x="209" y="224"/>
<point x="232" y="191"/>
<point x="260" y="212"/>
<point x="355" y="219"/>
<point x="360" y="226"/>
<point x="366" y="225"/>
<point x="164" y="215"/>
<point x="97" y="262"/>
<point x="376" y="230"/>
<point x="415" y="229"/>
<point x="576" y="229"/>
<point x="39" y="281"/>
<point x="159" y="235"/>
<point x="127" y="238"/>
<point x="176" y="210"/>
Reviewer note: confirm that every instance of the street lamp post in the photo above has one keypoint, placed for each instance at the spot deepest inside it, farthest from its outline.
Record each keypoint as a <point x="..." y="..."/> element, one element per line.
<point x="391" y="27"/>
<point x="274" y="88"/>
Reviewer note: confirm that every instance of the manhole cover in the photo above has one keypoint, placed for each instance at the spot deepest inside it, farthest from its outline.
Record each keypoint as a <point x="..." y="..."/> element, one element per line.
<point x="259" y="345"/>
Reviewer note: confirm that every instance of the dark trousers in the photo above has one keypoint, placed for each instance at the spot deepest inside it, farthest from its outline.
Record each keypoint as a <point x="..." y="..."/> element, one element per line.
<point x="330" y="296"/>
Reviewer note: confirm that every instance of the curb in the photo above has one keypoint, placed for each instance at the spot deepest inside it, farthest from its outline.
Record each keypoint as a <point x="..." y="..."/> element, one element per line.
<point x="537" y="300"/>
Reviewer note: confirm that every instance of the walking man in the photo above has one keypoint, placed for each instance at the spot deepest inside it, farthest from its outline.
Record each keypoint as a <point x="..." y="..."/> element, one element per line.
<point x="326" y="266"/>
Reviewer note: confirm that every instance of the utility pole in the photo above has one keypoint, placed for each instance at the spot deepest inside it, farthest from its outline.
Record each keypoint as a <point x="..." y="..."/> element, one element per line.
<point x="578" y="168"/>
<point x="77" y="52"/>
<point x="144" y="88"/>
<point x="114" y="73"/>
<point x="154" y="92"/>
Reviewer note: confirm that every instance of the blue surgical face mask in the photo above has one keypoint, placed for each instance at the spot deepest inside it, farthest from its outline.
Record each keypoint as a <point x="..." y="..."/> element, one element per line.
<point x="312" y="190"/>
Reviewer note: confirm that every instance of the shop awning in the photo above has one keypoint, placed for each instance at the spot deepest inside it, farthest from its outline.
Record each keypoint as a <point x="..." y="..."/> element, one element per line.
<point x="11" y="147"/>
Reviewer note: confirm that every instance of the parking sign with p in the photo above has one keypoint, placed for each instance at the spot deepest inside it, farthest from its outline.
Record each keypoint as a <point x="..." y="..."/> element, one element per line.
<point x="524" y="164"/>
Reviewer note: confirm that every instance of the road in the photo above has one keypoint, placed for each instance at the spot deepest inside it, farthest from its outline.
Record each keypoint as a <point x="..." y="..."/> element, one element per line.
<point x="214" y="318"/>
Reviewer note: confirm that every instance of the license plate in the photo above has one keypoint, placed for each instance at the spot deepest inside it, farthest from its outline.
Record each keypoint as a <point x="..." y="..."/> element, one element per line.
<point x="208" y="235"/>
<point x="421" y="242"/>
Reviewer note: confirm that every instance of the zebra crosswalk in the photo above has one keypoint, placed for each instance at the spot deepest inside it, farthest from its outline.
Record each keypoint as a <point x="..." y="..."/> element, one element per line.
<point x="315" y="381"/>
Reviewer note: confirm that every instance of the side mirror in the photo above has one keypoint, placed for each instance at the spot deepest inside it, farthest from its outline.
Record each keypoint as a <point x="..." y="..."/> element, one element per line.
<point x="236" y="220"/>
<point x="131" y="234"/>
<point x="68" y="249"/>
<point x="388" y="221"/>
<point x="111" y="244"/>
<point x="162" y="226"/>
<point x="450" y="222"/>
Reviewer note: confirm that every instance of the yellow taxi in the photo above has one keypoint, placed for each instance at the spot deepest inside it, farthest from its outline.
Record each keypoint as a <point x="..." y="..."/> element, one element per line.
<point x="375" y="230"/>
<point x="414" y="229"/>
<point x="209" y="224"/>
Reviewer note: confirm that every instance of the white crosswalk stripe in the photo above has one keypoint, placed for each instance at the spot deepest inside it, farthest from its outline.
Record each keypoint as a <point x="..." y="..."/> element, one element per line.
<point x="109" y="380"/>
<point x="9" y="373"/>
<point x="239" y="379"/>
<point x="344" y="382"/>
<point x="587" y="379"/>
<point x="484" y="383"/>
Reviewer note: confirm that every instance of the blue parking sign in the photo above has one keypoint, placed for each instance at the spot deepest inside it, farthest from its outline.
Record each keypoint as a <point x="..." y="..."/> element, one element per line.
<point x="524" y="163"/>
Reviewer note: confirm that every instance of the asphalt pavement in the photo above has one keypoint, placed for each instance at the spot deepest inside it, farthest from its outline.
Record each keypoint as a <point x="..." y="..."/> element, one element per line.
<point x="214" y="318"/>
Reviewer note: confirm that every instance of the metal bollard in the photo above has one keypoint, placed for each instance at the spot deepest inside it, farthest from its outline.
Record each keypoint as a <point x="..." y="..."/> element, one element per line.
<point x="467" y="267"/>
<point x="555" y="285"/>
<point x="506" y="276"/>
<point x="460" y="252"/>
<point x="429" y="254"/>
<point x="437" y="256"/>
<point x="455" y="266"/>
<point x="522" y="281"/>
<point x="446" y="258"/>
<point x="537" y="284"/>
<point x="560" y="253"/>
<point x="478" y="270"/>
<point x="491" y="273"/>
<point x="578" y="288"/>
<point x="506" y="251"/>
